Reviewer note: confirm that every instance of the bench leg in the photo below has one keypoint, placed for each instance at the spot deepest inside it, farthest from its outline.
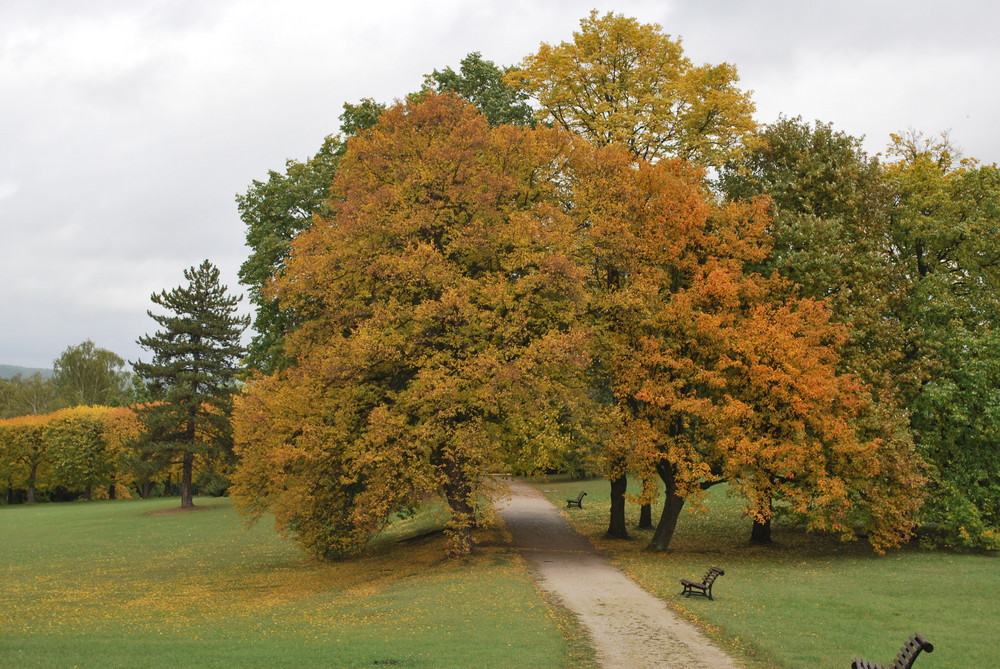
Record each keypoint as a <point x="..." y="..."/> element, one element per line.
<point x="690" y="590"/>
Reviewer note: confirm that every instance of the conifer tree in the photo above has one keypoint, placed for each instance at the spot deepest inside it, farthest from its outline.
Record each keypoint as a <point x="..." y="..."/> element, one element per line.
<point x="193" y="371"/>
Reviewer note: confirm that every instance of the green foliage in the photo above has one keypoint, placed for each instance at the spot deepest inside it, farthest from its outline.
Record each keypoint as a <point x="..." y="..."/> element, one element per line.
<point x="274" y="212"/>
<point x="482" y="83"/>
<point x="357" y="118"/>
<point x="88" y="375"/>
<point x="27" y="396"/>
<point x="192" y="374"/>
<point x="944" y="234"/>
<point x="830" y="204"/>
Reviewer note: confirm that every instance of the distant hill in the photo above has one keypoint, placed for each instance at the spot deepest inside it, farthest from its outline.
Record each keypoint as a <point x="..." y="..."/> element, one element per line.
<point x="8" y="371"/>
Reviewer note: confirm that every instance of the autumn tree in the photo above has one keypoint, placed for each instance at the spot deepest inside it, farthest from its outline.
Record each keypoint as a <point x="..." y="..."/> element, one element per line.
<point x="193" y="370"/>
<point x="437" y="339"/>
<point x="623" y="82"/>
<point x="88" y="375"/>
<point x="122" y="433"/>
<point x="720" y="374"/>
<point x="25" y="457"/>
<point x="275" y="211"/>
<point x="77" y="448"/>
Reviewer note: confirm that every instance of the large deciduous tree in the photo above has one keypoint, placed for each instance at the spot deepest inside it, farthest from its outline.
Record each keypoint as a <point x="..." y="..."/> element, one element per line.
<point x="625" y="83"/>
<point x="277" y="210"/>
<point x="193" y="370"/>
<point x="438" y="339"/>
<point x="622" y="82"/>
<point x="830" y="209"/>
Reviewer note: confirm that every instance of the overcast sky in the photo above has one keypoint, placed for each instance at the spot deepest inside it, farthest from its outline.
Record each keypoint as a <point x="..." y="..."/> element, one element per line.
<point x="127" y="127"/>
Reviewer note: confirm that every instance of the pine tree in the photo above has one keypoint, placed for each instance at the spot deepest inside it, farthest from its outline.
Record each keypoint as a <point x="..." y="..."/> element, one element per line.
<point x="193" y="372"/>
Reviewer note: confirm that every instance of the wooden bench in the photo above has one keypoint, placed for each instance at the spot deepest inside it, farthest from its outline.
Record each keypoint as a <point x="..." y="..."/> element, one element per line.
<point x="704" y="587"/>
<point x="578" y="502"/>
<point x="904" y="660"/>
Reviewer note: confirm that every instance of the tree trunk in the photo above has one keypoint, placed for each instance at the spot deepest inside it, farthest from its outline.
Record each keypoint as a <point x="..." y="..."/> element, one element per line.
<point x="187" y="468"/>
<point x="458" y="493"/>
<point x="646" y="510"/>
<point x="111" y="489"/>
<point x="761" y="532"/>
<point x="672" y="505"/>
<point x="30" y="499"/>
<point x="645" y="517"/>
<point x="616" y="523"/>
<point x="187" y="464"/>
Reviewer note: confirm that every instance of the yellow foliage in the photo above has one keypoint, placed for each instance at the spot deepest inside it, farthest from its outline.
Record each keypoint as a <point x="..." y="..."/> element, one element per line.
<point x="623" y="82"/>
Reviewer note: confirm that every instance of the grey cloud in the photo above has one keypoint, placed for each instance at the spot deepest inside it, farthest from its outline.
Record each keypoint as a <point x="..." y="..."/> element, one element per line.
<point x="120" y="158"/>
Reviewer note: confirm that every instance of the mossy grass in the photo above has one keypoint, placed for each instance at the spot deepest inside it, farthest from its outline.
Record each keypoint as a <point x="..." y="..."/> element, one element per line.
<point x="122" y="584"/>
<point x="808" y="600"/>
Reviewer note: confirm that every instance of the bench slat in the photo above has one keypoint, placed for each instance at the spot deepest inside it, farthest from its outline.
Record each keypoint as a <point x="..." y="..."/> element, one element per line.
<point x="904" y="659"/>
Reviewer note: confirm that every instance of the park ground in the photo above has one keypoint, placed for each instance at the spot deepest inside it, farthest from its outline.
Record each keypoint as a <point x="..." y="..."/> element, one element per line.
<point x="113" y="584"/>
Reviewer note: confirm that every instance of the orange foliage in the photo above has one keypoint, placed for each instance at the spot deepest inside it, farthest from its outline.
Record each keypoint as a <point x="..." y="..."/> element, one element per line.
<point x="438" y="336"/>
<point x="719" y="374"/>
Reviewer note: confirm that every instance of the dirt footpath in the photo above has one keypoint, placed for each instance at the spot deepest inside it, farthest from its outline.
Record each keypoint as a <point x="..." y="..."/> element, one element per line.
<point x="629" y="627"/>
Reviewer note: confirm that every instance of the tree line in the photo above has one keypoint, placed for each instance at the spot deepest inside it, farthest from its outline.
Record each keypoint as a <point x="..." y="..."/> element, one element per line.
<point x="595" y="261"/>
<point x="173" y="418"/>
<point x="85" y="374"/>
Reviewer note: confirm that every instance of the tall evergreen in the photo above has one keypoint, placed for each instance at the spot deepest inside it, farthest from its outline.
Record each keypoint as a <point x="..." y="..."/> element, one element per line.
<point x="193" y="372"/>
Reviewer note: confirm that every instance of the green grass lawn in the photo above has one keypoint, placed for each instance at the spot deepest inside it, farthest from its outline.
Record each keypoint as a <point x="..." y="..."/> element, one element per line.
<point x="113" y="584"/>
<point x="808" y="601"/>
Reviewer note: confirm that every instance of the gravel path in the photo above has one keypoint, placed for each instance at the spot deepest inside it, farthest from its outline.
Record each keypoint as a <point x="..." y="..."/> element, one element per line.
<point x="629" y="627"/>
